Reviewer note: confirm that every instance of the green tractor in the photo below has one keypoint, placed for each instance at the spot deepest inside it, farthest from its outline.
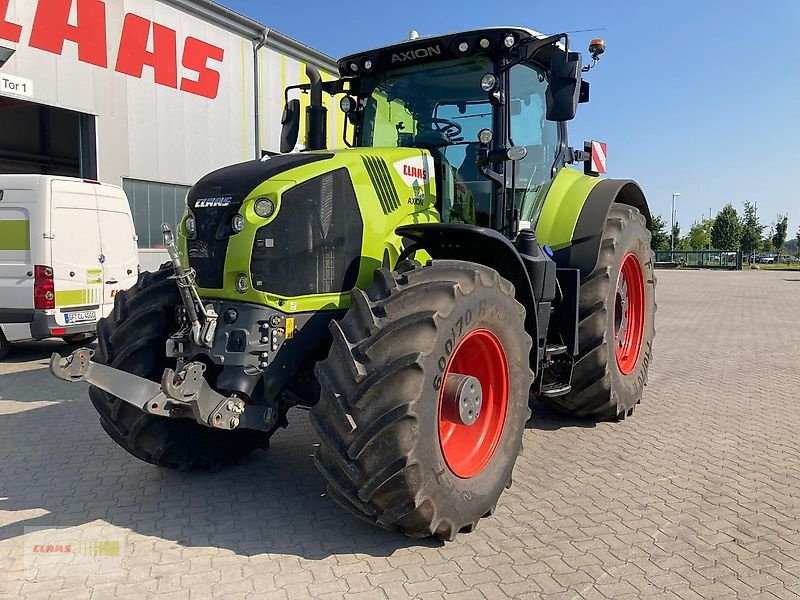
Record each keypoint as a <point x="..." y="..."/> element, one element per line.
<point x="416" y="290"/>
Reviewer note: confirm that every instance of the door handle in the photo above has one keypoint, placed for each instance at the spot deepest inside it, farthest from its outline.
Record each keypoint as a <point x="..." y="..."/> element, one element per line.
<point x="111" y="282"/>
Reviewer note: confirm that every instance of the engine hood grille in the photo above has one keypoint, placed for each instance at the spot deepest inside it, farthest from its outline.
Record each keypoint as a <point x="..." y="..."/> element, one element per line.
<point x="217" y="197"/>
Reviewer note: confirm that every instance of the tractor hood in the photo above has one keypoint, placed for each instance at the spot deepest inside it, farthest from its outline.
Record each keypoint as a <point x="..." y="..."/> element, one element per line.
<point x="332" y="222"/>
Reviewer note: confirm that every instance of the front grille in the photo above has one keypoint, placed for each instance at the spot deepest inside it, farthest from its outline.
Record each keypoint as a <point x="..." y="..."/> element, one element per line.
<point x="382" y="182"/>
<point x="210" y="245"/>
<point x="313" y="246"/>
<point x="217" y="197"/>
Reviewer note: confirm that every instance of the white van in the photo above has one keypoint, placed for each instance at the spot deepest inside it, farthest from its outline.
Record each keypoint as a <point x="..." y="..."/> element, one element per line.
<point x="67" y="246"/>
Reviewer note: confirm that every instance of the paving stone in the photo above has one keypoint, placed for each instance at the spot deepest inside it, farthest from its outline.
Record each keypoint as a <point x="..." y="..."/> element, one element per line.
<point x="696" y="496"/>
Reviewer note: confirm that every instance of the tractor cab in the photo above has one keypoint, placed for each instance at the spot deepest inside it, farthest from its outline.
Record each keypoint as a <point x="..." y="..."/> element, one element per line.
<point x="489" y="106"/>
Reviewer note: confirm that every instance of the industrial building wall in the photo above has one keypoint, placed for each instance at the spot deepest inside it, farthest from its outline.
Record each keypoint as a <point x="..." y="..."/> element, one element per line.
<point x="167" y="131"/>
<point x="163" y="90"/>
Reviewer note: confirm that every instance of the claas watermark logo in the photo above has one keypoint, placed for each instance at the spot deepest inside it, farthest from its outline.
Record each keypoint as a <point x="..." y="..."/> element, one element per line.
<point x="95" y="548"/>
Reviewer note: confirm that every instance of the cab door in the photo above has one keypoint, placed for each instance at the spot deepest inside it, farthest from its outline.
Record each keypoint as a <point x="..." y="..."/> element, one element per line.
<point x="76" y="251"/>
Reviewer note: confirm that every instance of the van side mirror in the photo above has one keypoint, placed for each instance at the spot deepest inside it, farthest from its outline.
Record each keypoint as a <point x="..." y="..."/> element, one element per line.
<point x="563" y="91"/>
<point x="291" y="125"/>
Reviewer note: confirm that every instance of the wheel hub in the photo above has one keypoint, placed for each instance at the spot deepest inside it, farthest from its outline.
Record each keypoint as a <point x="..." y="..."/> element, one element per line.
<point x="473" y="403"/>
<point x="463" y="397"/>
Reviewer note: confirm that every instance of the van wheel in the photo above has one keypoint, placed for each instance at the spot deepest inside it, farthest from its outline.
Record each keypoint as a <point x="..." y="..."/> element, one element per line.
<point x="5" y="346"/>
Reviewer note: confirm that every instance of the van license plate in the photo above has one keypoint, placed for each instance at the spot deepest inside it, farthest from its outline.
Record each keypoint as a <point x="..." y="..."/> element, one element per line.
<point x="80" y="317"/>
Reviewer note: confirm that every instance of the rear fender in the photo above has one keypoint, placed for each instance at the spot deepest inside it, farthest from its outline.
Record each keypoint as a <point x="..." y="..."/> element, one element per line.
<point x="574" y="215"/>
<point x="455" y="241"/>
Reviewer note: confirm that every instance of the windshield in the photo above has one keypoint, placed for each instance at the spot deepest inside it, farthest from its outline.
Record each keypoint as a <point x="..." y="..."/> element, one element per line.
<point x="434" y="105"/>
<point x="440" y="107"/>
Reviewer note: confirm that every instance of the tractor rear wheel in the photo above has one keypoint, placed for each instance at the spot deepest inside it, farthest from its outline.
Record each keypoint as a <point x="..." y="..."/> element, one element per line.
<point x="616" y="327"/>
<point x="424" y="398"/>
<point x="132" y="339"/>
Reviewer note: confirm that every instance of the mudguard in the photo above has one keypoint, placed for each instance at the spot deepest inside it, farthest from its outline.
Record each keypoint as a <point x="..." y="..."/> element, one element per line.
<point x="455" y="241"/>
<point x="574" y="214"/>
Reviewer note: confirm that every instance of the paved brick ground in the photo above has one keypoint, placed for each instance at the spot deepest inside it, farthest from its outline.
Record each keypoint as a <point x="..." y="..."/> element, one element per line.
<point x="697" y="496"/>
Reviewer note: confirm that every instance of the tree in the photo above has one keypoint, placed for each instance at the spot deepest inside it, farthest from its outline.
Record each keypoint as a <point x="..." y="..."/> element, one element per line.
<point x="798" y="242"/>
<point x="660" y="239"/>
<point x="700" y="235"/>
<point x="779" y="238"/>
<point x="726" y="232"/>
<point x="752" y="230"/>
<point x="676" y="233"/>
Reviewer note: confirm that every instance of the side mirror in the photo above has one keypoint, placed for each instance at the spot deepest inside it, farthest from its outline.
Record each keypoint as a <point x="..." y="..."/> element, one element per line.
<point x="291" y="125"/>
<point x="563" y="92"/>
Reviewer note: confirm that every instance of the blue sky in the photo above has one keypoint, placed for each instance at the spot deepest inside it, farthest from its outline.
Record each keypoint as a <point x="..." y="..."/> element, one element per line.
<point x="701" y="98"/>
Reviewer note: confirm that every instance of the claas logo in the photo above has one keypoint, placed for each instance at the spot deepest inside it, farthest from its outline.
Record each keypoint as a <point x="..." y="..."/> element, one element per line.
<point x="51" y="29"/>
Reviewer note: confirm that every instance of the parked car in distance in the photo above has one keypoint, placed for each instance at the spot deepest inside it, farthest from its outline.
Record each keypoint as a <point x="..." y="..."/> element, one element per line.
<point x="67" y="246"/>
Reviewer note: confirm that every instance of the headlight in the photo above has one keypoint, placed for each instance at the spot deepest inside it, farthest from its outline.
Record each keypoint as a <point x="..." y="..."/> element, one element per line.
<point x="485" y="136"/>
<point x="190" y="225"/>
<point x="237" y="223"/>
<point x="242" y="285"/>
<point x="264" y="207"/>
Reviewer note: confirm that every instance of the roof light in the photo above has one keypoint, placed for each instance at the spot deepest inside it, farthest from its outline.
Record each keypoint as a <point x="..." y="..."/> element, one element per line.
<point x="368" y="64"/>
<point x="484" y="43"/>
<point x="353" y="67"/>
<point x="509" y="41"/>
<point x="463" y="47"/>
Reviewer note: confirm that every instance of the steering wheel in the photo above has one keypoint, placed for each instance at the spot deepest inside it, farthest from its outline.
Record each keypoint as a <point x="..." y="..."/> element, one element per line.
<point x="451" y="129"/>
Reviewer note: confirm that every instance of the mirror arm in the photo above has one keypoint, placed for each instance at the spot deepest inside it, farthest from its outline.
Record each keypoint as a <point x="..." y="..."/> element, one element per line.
<point x="532" y="48"/>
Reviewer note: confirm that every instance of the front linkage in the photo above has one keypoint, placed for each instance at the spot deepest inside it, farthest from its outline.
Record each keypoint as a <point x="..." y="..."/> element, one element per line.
<point x="182" y="395"/>
<point x="185" y="394"/>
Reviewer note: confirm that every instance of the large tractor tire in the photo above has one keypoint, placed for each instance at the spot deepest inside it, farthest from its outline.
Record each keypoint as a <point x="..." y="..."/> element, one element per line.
<point x="5" y="346"/>
<point x="616" y="327"/>
<point x="395" y="445"/>
<point x="133" y="339"/>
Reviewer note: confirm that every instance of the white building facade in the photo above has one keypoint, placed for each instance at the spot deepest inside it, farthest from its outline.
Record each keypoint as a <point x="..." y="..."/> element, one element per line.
<point x="146" y="94"/>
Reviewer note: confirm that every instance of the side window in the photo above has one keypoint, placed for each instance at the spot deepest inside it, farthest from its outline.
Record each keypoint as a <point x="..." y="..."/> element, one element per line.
<point x="386" y="122"/>
<point x="529" y="128"/>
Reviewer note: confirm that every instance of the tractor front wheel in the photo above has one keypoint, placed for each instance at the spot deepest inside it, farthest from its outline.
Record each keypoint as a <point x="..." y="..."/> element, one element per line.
<point x="424" y="398"/>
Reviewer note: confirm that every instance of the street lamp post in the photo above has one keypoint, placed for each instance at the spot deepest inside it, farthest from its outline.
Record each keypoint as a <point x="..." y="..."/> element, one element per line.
<point x="672" y="228"/>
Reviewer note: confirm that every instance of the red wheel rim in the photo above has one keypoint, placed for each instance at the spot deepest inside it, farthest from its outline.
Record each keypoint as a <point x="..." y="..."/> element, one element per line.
<point x="629" y="309"/>
<point x="467" y="449"/>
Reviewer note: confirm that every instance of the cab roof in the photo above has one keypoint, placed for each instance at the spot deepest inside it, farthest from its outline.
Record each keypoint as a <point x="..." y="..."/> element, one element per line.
<point x="432" y="47"/>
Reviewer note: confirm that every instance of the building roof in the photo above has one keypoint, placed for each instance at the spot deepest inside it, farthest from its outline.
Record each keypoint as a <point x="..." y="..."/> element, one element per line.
<point x="231" y="20"/>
